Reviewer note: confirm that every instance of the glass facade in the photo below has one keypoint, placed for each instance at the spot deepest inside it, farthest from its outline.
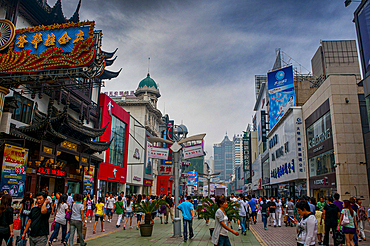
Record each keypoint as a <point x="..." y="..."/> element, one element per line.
<point x="266" y="172"/>
<point x="117" y="148"/>
<point x="322" y="164"/>
<point x="319" y="131"/>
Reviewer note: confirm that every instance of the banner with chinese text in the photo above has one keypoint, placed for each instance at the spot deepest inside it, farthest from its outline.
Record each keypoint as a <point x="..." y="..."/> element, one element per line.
<point x="88" y="186"/>
<point x="158" y="152"/>
<point x="193" y="151"/>
<point x="13" y="175"/>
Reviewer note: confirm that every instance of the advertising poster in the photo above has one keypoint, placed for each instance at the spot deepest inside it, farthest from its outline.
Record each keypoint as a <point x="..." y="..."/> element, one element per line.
<point x="13" y="175"/>
<point x="281" y="93"/>
<point x="88" y="187"/>
<point x="192" y="178"/>
<point x="148" y="164"/>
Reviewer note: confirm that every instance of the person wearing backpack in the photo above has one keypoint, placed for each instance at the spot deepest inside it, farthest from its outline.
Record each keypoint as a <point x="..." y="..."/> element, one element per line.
<point x="307" y="227"/>
<point x="348" y="219"/>
<point x="118" y="207"/>
<point x="26" y="205"/>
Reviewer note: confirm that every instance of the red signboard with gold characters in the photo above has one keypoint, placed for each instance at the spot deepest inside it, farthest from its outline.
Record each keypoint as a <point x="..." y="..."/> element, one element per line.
<point x="41" y="48"/>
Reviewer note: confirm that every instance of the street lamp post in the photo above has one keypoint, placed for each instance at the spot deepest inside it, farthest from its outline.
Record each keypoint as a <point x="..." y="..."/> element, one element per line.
<point x="176" y="147"/>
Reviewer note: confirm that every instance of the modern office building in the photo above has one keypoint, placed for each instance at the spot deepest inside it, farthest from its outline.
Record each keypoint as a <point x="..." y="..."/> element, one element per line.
<point x="223" y="158"/>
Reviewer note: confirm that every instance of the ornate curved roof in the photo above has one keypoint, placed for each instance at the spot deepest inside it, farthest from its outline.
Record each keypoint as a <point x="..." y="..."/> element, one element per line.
<point x="63" y="127"/>
<point x="38" y="13"/>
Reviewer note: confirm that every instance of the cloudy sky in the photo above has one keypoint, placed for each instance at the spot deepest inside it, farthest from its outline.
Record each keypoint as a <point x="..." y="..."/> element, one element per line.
<point x="204" y="54"/>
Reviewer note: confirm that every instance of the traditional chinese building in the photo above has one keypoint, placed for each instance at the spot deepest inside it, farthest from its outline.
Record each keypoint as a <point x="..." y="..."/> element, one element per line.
<point x="51" y="90"/>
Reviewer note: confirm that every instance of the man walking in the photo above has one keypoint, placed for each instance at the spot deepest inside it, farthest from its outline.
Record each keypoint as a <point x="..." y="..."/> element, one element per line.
<point x="169" y="204"/>
<point x="330" y="215"/>
<point x="187" y="210"/>
<point x="272" y="208"/>
<point x="253" y="206"/>
<point x="39" y="221"/>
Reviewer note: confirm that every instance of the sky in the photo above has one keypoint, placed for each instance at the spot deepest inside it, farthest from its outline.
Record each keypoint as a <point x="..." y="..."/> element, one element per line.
<point x="204" y="54"/>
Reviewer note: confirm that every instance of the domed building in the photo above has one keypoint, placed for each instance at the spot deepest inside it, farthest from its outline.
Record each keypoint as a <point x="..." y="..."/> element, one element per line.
<point x="142" y="106"/>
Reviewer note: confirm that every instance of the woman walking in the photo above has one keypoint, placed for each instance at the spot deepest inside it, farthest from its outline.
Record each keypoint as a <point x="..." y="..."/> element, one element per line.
<point x="139" y="215"/>
<point x="219" y="235"/>
<point x="129" y="213"/>
<point x="6" y="220"/>
<point x="77" y="220"/>
<point x="243" y="211"/>
<point x="351" y="228"/>
<point x="99" y="214"/>
<point x="362" y="217"/>
<point x="60" y="220"/>
<point x="26" y="205"/>
<point x="264" y="208"/>
<point x="279" y="211"/>
<point x="307" y="227"/>
<point x="89" y="208"/>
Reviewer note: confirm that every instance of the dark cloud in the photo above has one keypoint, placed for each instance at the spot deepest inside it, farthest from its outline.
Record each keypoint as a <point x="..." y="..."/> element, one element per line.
<point x="204" y="54"/>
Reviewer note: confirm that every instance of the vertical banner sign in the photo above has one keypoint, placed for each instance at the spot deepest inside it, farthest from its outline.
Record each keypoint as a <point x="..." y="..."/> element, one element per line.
<point x="281" y="93"/>
<point x="13" y="175"/>
<point x="88" y="186"/>
<point x="192" y="178"/>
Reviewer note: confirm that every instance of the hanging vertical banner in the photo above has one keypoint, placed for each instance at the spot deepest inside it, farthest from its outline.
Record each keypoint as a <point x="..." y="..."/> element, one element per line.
<point x="281" y="93"/>
<point x="13" y="175"/>
<point x="88" y="187"/>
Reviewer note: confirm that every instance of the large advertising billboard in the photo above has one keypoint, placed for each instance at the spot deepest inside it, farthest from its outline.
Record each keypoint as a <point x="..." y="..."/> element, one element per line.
<point x="192" y="178"/>
<point x="13" y="174"/>
<point x="281" y="93"/>
<point x="88" y="185"/>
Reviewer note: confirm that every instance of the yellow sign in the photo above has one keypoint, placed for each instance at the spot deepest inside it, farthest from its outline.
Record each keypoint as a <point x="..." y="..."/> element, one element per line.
<point x="21" y="41"/>
<point x="64" y="38"/>
<point x="69" y="145"/>
<point x="37" y="38"/>
<point x="50" y="40"/>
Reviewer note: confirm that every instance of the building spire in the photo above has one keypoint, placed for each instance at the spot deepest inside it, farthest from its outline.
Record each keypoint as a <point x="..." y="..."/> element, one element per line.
<point x="148" y="64"/>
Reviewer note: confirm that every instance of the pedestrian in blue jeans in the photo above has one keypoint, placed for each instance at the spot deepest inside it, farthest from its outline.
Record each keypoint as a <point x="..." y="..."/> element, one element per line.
<point x="187" y="210"/>
<point x="26" y="205"/>
<point x="264" y="209"/>
<point x="60" y="220"/>
<point x="77" y="220"/>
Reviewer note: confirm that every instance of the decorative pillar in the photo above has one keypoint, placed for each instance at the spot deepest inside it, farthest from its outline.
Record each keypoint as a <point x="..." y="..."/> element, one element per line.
<point x="3" y="92"/>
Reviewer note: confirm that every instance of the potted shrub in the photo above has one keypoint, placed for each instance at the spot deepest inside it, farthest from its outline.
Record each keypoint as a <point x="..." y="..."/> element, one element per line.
<point x="209" y="208"/>
<point x="147" y="208"/>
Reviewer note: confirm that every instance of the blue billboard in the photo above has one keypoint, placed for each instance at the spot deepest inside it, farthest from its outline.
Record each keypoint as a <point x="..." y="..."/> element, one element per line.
<point x="192" y="178"/>
<point x="281" y="93"/>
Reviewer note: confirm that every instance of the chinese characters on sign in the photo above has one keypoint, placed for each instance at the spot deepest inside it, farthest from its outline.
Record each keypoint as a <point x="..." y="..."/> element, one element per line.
<point x="49" y="171"/>
<point x="119" y="93"/>
<point x="165" y="170"/>
<point x="38" y="41"/>
<point x="158" y="152"/>
<point x="193" y="151"/>
<point x="13" y="175"/>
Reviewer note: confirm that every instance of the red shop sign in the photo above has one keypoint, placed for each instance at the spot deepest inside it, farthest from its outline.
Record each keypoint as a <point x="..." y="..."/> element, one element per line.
<point x="50" y="171"/>
<point x="112" y="173"/>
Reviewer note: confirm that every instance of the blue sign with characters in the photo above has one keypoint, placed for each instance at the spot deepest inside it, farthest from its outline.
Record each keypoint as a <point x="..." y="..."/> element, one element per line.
<point x="38" y="41"/>
<point x="281" y="93"/>
<point x="192" y="178"/>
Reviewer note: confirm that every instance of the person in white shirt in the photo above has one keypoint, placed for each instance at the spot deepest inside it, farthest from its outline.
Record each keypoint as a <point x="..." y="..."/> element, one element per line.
<point x="69" y="199"/>
<point x="110" y="206"/>
<point x="278" y="211"/>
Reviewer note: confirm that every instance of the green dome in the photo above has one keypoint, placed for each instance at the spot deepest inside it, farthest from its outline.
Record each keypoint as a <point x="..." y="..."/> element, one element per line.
<point x="148" y="81"/>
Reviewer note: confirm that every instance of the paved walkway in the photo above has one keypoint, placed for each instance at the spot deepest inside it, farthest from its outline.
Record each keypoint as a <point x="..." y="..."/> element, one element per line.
<point x="275" y="236"/>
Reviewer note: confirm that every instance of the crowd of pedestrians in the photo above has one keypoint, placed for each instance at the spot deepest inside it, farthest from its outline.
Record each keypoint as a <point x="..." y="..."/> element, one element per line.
<point x="315" y="221"/>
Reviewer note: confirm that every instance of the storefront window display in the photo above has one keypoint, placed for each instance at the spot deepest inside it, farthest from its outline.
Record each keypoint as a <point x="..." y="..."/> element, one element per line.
<point x="319" y="131"/>
<point x="118" y="132"/>
<point x="322" y="164"/>
<point x="73" y="187"/>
